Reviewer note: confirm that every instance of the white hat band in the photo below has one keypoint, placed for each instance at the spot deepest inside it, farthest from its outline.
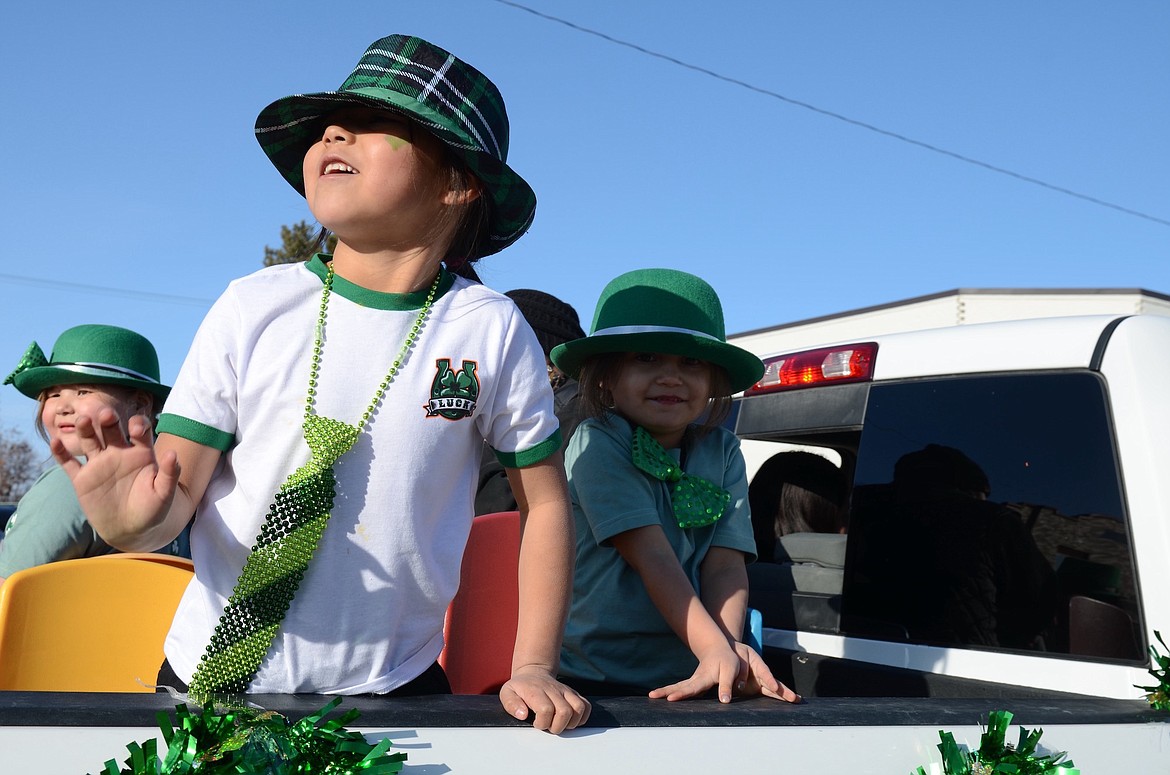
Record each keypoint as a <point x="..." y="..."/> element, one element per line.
<point x="617" y="330"/>
<point x="102" y="370"/>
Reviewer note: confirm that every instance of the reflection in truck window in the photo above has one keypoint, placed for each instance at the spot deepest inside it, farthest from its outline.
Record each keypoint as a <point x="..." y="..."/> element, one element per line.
<point x="1034" y="556"/>
<point x="947" y="565"/>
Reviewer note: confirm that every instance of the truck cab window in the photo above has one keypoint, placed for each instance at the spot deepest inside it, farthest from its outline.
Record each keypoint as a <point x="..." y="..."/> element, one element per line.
<point x="987" y="512"/>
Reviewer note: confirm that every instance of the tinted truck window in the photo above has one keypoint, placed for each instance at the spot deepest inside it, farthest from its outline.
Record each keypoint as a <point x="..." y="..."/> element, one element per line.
<point x="987" y="512"/>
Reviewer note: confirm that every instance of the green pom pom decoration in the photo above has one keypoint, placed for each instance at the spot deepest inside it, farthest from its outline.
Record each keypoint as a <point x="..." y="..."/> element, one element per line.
<point x="1159" y="696"/>
<point x="995" y="755"/>
<point x="243" y="741"/>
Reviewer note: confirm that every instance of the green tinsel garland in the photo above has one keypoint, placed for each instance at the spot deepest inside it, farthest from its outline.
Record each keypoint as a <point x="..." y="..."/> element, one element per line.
<point x="241" y="741"/>
<point x="1159" y="696"/>
<point x="996" y="756"/>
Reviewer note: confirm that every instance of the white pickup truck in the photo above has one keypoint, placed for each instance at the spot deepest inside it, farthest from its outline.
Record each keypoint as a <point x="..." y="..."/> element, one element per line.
<point x="1068" y="420"/>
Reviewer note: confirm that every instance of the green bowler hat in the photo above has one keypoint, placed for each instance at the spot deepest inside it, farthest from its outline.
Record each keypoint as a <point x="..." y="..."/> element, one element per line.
<point x="91" y="355"/>
<point x="661" y="311"/>
<point x="446" y="96"/>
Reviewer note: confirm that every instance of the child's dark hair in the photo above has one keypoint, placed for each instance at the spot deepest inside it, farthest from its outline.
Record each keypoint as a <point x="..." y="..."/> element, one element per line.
<point x="469" y="223"/>
<point x="795" y="492"/>
<point x="601" y="371"/>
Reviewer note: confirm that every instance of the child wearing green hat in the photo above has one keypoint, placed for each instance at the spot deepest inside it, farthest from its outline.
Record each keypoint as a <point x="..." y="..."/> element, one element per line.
<point x="91" y="367"/>
<point x="660" y="498"/>
<point x="327" y="423"/>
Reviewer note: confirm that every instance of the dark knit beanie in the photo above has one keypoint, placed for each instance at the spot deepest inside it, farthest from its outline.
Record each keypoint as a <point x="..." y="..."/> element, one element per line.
<point x="553" y="320"/>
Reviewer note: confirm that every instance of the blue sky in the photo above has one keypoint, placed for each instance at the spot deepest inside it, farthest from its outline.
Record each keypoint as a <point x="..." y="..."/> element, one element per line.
<point x="130" y="162"/>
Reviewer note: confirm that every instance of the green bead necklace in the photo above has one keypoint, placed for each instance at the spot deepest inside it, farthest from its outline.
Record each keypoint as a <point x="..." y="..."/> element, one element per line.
<point x="290" y="533"/>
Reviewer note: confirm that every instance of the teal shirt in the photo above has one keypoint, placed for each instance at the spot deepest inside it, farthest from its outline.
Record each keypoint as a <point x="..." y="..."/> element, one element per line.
<point x="615" y="633"/>
<point x="48" y="525"/>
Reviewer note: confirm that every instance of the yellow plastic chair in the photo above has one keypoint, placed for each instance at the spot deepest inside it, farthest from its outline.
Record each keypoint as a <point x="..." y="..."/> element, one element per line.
<point x="166" y="559"/>
<point x="90" y="625"/>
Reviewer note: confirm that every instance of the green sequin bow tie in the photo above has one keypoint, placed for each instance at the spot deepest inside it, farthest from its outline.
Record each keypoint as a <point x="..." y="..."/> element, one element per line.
<point x="34" y="357"/>
<point x="695" y="501"/>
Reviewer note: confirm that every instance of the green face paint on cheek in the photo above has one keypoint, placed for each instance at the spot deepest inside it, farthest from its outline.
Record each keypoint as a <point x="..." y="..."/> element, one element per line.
<point x="397" y="143"/>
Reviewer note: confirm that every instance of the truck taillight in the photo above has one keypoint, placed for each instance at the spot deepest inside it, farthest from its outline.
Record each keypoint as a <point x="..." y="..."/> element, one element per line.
<point x="827" y="366"/>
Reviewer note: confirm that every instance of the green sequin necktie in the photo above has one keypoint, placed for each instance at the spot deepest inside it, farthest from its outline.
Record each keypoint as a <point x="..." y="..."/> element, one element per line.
<point x="289" y="535"/>
<point x="695" y="501"/>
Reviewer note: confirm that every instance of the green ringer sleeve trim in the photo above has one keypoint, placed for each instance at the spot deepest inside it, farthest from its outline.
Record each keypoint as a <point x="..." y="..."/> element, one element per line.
<point x="195" y="431"/>
<point x="529" y="457"/>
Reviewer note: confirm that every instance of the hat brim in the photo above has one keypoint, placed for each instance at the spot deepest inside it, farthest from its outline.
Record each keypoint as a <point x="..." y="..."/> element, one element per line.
<point x="743" y="368"/>
<point x="32" y="382"/>
<point x="289" y="126"/>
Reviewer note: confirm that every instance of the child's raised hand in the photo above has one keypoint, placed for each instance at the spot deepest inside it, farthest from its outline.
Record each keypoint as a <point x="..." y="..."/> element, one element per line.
<point x="555" y="707"/>
<point x="123" y="487"/>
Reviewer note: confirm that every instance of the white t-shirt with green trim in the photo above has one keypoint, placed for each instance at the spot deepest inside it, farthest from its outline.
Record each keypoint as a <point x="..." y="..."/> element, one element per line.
<point x="368" y="616"/>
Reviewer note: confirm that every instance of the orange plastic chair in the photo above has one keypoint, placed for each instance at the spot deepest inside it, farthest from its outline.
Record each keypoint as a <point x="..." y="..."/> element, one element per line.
<point x="480" y="629"/>
<point x="89" y="625"/>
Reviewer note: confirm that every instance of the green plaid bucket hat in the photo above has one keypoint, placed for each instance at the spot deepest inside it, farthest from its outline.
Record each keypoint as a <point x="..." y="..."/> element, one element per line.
<point x="91" y="355"/>
<point x="441" y="93"/>
<point x="660" y="311"/>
